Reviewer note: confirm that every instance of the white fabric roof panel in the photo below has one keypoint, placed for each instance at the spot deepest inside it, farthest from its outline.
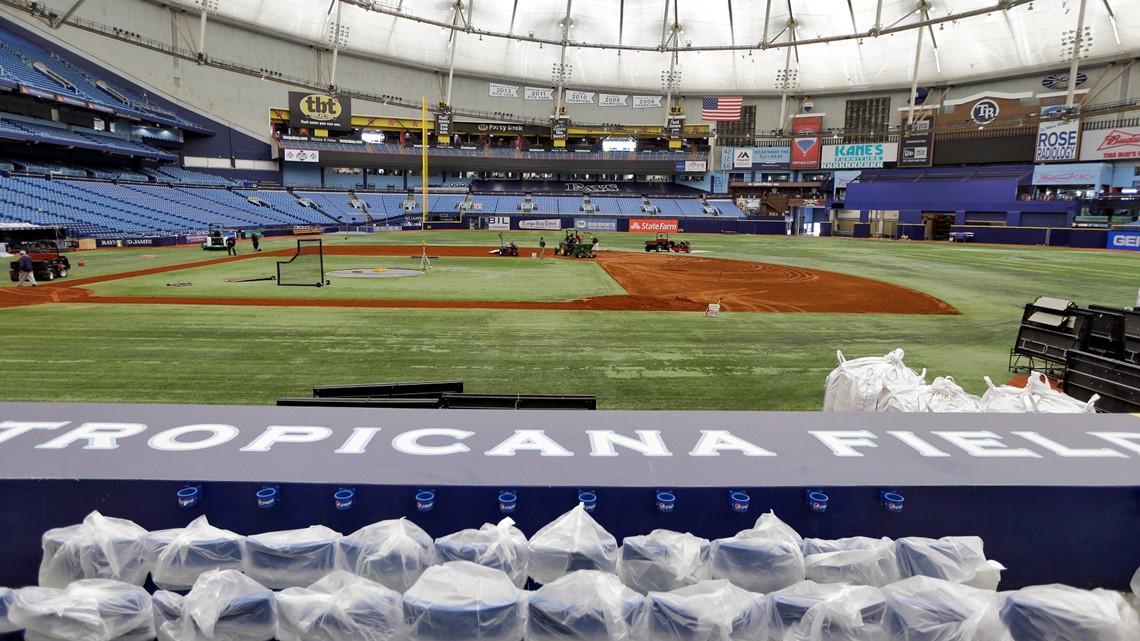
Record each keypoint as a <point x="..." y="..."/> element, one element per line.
<point x="1027" y="36"/>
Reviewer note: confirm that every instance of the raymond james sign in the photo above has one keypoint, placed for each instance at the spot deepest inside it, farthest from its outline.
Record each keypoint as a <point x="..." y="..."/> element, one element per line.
<point x="616" y="448"/>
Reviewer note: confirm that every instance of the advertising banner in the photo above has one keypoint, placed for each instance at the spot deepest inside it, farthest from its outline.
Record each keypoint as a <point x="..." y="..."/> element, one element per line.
<point x="916" y="148"/>
<point x="1110" y="144"/>
<point x="496" y="90"/>
<point x="806" y="151"/>
<point x="499" y="223"/>
<point x="1075" y="174"/>
<point x="692" y="165"/>
<point x="742" y="159"/>
<point x="545" y="224"/>
<point x="538" y="93"/>
<point x="108" y="242"/>
<point x="443" y="124"/>
<point x="646" y="102"/>
<point x="611" y="100"/>
<point x="1129" y="240"/>
<point x="319" y="110"/>
<point x="1057" y="140"/>
<point x="652" y="225"/>
<point x="596" y="224"/>
<point x="574" y="97"/>
<point x="862" y="156"/>
<point x="302" y="155"/>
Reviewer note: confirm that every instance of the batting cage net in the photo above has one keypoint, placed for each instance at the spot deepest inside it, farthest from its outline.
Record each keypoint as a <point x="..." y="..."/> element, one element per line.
<point x="306" y="267"/>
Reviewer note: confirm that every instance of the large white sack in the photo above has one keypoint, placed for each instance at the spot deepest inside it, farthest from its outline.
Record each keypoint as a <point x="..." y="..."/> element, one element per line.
<point x="943" y="395"/>
<point x="855" y="385"/>
<point x="1036" y="396"/>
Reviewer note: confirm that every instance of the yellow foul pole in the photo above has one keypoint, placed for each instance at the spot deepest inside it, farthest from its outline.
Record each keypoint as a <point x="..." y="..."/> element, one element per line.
<point x="424" y="149"/>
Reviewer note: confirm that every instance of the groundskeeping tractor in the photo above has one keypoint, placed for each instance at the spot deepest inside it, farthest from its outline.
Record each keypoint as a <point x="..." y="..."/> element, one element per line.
<point x="215" y="238"/>
<point x="572" y="245"/>
<point x="663" y="244"/>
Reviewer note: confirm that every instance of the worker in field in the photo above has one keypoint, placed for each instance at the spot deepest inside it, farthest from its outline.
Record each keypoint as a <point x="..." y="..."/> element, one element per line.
<point x="541" y="247"/>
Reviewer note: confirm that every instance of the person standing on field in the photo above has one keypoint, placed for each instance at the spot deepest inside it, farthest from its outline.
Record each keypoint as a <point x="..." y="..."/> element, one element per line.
<point x="27" y="269"/>
<point x="541" y="247"/>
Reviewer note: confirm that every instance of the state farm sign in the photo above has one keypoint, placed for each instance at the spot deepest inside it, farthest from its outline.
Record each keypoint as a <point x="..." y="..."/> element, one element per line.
<point x="652" y="225"/>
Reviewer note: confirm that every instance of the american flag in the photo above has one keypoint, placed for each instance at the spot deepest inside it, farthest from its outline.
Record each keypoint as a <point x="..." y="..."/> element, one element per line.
<point x="721" y="108"/>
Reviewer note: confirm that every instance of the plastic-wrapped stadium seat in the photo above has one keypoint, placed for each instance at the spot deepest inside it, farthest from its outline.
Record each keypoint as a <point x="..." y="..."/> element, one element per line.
<point x="927" y="609"/>
<point x="1063" y="613"/>
<point x="573" y="541"/>
<point x="502" y="546"/>
<point x="585" y="606"/>
<point x="663" y="560"/>
<point x="461" y="601"/>
<point x="177" y="557"/>
<point x="167" y="614"/>
<point x="99" y="548"/>
<point x="960" y="559"/>
<point x="6" y="625"/>
<point x="340" y="607"/>
<point x="224" y="605"/>
<point x="89" y="609"/>
<point x="392" y="553"/>
<point x="291" y="558"/>
<point x="810" y="611"/>
<point x="763" y="559"/>
<point x="706" y="611"/>
<point x="857" y="560"/>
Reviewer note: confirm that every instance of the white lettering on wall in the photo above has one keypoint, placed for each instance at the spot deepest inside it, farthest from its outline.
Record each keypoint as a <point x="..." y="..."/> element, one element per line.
<point x="167" y="440"/>
<point x="409" y="442"/>
<point x="535" y="440"/>
<point x="648" y="442"/>
<point x="274" y="434"/>
<point x="99" y="436"/>
<point x="712" y="442"/>
<point x="843" y="443"/>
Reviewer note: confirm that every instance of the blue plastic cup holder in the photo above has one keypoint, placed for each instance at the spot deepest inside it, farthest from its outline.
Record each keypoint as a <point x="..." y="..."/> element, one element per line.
<point x="817" y="501"/>
<point x="508" y="502"/>
<point x="892" y="501"/>
<point x="425" y="501"/>
<point x="589" y="500"/>
<point x="739" y="501"/>
<point x="189" y="496"/>
<point x="344" y="498"/>
<point x="666" y="501"/>
<point x="267" y="497"/>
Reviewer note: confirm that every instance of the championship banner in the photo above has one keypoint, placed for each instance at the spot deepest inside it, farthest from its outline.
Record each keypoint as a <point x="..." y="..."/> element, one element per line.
<point x="574" y="97"/>
<point x="916" y="148"/>
<point x="302" y="155"/>
<point x="538" y="93"/>
<point x="653" y="225"/>
<point x="647" y="102"/>
<point x="320" y="111"/>
<point x="1110" y="144"/>
<point x="806" y="151"/>
<point x="612" y="100"/>
<point x="1057" y="139"/>
<point x="497" y="90"/>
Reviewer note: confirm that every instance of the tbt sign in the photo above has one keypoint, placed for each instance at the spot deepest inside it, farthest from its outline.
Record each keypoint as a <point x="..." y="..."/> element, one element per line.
<point x="321" y="111"/>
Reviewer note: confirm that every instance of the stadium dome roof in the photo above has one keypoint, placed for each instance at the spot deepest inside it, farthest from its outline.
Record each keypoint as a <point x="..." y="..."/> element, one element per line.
<point x="720" y="46"/>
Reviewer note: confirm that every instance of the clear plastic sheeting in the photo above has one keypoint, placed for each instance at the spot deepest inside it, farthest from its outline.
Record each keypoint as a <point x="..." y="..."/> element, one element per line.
<point x="460" y="600"/>
<point x="856" y="385"/>
<point x="177" y="557"/>
<point x="706" y="611"/>
<point x="573" y="541"/>
<point x="765" y="558"/>
<point x="927" y="609"/>
<point x="857" y="560"/>
<point x="393" y="553"/>
<point x="340" y="607"/>
<point x="291" y="558"/>
<point x="663" y="560"/>
<point x="960" y="559"/>
<point x="224" y="605"/>
<point x="585" y="606"/>
<point x="167" y="613"/>
<point x="810" y="611"/>
<point x="101" y="547"/>
<point x="6" y="598"/>
<point x="1036" y="396"/>
<point x="943" y="395"/>
<point x="1063" y="613"/>
<point x="502" y="546"/>
<point x="90" y="610"/>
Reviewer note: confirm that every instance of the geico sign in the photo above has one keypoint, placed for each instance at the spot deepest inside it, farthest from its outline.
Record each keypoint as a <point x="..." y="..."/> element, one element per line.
<point x="1125" y="241"/>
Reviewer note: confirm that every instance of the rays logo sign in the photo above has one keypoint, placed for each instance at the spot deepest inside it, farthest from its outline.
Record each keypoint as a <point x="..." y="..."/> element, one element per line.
<point x="323" y="111"/>
<point x="984" y="111"/>
<point x="1059" y="81"/>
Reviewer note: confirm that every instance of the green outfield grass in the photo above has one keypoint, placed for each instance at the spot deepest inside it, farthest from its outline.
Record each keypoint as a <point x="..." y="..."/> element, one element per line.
<point x="629" y="360"/>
